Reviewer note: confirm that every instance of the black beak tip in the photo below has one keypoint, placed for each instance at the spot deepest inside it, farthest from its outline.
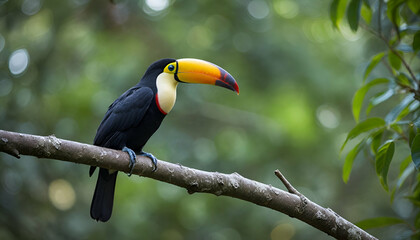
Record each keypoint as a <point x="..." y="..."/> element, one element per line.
<point x="234" y="86"/>
<point x="227" y="81"/>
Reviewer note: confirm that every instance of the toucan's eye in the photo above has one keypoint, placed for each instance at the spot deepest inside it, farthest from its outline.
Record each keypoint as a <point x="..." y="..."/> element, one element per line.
<point x="171" y="68"/>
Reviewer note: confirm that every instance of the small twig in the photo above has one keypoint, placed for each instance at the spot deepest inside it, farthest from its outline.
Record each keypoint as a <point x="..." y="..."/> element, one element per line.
<point x="303" y="200"/>
<point x="392" y="49"/>
<point x="286" y="183"/>
<point x="406" y="65"/>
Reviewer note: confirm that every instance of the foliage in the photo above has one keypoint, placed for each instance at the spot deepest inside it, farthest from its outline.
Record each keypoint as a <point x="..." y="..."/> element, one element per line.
<point x="395" y="25"/>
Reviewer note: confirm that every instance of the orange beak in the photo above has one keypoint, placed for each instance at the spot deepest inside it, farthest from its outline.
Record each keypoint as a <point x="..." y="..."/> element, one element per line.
<point x="199" y="71"/>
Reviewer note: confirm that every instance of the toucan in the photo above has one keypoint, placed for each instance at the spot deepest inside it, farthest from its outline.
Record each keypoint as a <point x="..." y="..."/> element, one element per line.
<point x="136" y="115"/>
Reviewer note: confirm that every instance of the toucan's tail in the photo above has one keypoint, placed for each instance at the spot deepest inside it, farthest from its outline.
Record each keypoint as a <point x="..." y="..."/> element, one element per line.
<point x="103" y="198"/>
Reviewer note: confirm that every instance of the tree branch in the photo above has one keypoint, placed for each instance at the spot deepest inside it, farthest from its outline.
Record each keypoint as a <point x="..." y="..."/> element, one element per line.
<point x="194" y="180"/>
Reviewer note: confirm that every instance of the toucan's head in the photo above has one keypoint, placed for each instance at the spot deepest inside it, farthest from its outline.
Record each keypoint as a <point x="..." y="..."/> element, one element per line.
<point x="164" y="75"/>
<point x="190" y="70"/>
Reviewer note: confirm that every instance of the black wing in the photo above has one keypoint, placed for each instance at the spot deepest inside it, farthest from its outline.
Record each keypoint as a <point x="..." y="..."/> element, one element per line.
<point x="124" y="113"/>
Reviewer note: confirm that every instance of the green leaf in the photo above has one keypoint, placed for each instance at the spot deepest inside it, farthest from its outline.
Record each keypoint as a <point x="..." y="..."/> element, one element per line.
<point x="394" y="60"/>
<point x="403" y="79"/>
<point x="415" y="151"/>
<point x="348" y="163"/>
<point x="360" y="95"/>
<point x="362" y="127"/>
<point x="383" y="160"/>
<point x="376" y="139"/>
<point x="402" y="114"/>
<point x="382" y="97"/>
<point x="334" y="13"/>
<point x="396" y="127"/>
<point x="411" y="134"/>
<point x="366" y="12"/>
<point x="416" y="123"/>
<point x="404" y="164"/>
<point x="378" y="222"/>
<point x="415" y="235"/>
<point x="400" y="111"/>
<point x="416" y="41"/>
<point x="405" y="170"/>
<point x="337" y="10"/>
<point x="414" y="106"/>
<point x="372" y="64"/>
<point x="353" y="14"/>
<point x="417" y="221"/>
<point x="414" y="5"/>
<point x="392" y="11"/>
<point x="415" y="196"/>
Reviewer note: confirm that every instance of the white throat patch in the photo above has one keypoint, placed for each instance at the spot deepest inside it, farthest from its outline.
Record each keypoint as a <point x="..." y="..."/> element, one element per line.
<point x="166" y="91"/>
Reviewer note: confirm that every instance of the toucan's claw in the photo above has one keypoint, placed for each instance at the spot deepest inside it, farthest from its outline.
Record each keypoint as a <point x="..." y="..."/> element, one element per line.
<point x="153" y="158"/>
<point x="132" y="155"/>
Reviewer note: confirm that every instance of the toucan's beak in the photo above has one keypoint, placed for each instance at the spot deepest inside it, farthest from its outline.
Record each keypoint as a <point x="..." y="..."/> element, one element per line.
<point x="199" y="71"/>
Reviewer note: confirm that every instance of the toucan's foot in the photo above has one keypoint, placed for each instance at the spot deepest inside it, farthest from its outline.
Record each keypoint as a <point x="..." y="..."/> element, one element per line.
<point x="153" y="158"/>
<point x="132" y="155"/>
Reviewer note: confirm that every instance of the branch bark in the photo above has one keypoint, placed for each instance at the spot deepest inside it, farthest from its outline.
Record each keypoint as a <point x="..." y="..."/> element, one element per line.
<point x="234" y="185"/>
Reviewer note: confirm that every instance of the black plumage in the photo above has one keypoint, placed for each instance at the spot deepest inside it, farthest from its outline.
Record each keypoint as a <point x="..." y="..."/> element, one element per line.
<point x="129" y="122"/>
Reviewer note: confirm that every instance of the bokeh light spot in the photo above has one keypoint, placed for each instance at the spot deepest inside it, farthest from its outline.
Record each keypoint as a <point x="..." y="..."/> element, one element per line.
<point x="294" y="114"/>
<point x="283" y="231"/>
<point x="18" y="61"/>
<point x="157" y="5"/>
<point x="38" y="29"/>
<point x="258" y="9"/>
<point x="318" y="30"/>
<point x="286" y="8"/>
<point x="327" y="116"/>
<point x="61" y="194"/>
<point x="200" y="37"/>
<point x="154" y="7"/>
<point x="31" y="7"/>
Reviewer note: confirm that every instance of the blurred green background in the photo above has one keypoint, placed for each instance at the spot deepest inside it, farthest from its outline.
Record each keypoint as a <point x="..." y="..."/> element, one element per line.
<point x="63" y="62"/>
